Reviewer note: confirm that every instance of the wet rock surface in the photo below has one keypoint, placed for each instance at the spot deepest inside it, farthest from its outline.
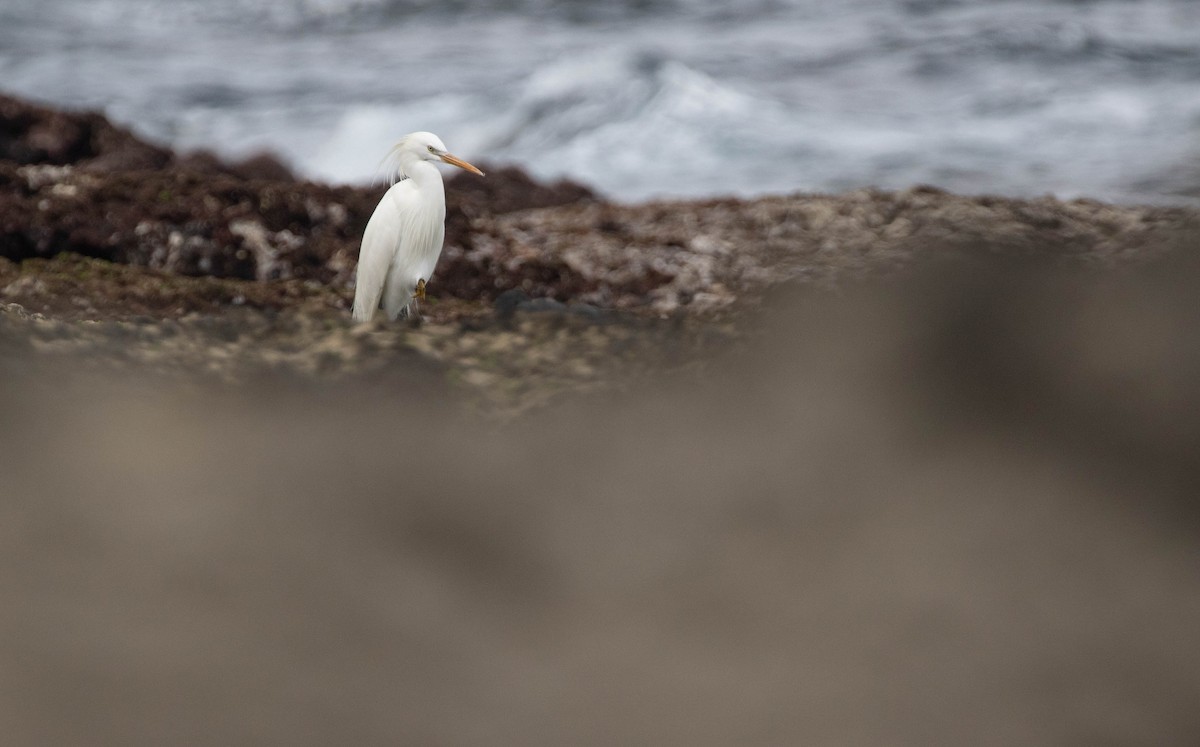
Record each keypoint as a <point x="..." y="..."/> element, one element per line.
<point x="109" y="236"/>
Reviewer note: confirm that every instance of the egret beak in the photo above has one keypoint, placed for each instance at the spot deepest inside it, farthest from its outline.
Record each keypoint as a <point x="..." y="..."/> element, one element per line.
<point x="456" y="161"/>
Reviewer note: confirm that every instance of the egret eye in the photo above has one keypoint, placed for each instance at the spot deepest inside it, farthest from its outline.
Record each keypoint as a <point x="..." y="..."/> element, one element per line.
<point x="432" y="149"/>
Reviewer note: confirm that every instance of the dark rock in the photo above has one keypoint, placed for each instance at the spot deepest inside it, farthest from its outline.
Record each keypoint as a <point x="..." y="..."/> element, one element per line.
<point x="585" y="310"/>
<point x="259" y="167"/>
<point x="507" y="189"/>
<point x="74" y="182"/>
<point x="504" y="190"/>
<point x="542" y="304"/>
<point x="263" y="167"/>
<point x="32" y="134"/>
<point x="507" y="303"/>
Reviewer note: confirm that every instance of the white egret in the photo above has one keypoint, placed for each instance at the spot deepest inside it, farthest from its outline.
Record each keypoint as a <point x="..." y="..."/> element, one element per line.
<point x="403" y="239"/>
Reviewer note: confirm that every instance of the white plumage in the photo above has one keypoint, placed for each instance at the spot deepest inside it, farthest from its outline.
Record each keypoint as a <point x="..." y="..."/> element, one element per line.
<point x="403" y="239"/>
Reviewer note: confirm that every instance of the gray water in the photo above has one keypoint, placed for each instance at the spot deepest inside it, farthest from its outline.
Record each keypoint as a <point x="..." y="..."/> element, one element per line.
<point x="652" y="97"/>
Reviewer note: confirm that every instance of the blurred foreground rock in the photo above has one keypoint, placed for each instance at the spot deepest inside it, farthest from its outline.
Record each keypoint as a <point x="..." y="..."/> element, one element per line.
<point x="952" y="506"/>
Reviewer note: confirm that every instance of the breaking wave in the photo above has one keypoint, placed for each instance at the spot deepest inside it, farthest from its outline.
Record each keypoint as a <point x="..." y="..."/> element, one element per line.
<point x="651" y="97"/>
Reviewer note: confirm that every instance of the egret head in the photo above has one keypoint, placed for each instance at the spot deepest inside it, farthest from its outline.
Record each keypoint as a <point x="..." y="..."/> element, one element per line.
<point x="425" y="146"/>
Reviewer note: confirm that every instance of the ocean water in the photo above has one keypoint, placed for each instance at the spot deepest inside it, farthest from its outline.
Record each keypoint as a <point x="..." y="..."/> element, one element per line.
<point x="648" y="98"/>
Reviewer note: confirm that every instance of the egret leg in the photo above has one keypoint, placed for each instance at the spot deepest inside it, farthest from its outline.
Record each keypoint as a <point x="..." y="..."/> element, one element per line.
<point x="420" y="291"/>
<point x="398" y="292"/>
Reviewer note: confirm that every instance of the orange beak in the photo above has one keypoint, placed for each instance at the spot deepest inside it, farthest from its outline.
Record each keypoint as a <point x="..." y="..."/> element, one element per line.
<point x="456" y="161"/>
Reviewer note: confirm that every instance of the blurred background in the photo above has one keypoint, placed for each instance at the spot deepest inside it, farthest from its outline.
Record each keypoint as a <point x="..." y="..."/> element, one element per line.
<point x="652" y="97"/>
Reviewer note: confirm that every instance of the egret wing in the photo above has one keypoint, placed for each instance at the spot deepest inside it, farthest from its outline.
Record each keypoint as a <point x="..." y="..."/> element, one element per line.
<point x="378" y="251"/>
<point x="421" y="215"/>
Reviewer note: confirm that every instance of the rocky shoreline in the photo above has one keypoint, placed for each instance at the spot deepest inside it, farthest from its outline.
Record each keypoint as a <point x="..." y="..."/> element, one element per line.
<point x="118" y="250"/>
